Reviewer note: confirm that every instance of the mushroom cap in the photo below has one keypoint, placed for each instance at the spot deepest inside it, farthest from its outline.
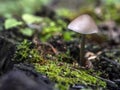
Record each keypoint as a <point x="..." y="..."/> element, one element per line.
<point x="83" y="24"/>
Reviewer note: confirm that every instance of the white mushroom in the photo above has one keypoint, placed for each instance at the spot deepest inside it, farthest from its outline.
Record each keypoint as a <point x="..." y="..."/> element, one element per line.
<point x="83" y="24"/>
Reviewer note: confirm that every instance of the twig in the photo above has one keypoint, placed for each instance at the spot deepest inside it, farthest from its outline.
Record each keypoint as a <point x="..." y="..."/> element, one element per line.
<point x="111" y="61"/>
<point x="37" y="42"/>
<point x="109" y="82"/>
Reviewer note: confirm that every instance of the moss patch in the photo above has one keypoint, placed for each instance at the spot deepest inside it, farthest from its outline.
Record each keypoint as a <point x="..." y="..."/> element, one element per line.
<point x="26" y="53"/>
<point x="65" y="74"/>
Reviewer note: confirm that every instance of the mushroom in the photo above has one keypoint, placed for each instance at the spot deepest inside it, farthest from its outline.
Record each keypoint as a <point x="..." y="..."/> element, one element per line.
<point x="83" y="24"/>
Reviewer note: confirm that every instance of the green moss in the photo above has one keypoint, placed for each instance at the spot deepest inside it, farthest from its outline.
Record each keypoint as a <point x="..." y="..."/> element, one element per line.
<point x="25" y="53"/>
<point x="64" y="73"/>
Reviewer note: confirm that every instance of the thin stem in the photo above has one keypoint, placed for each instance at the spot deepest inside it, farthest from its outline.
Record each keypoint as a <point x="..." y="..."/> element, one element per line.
<point x="82" y="50"/>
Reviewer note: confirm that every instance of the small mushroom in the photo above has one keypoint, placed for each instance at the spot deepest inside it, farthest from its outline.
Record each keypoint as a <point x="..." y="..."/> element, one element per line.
<point x="83" y="24"/>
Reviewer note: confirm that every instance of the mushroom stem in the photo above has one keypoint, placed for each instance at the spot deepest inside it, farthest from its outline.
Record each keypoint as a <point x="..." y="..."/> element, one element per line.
<point x="82" y="50"/>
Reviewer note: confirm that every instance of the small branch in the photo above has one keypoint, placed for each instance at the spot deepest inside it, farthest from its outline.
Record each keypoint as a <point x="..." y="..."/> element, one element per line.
<point x="111" y="61"/>
<point x="109" y="82"/>
<point x="37" y="42"/>
<point x="51" y="46"/>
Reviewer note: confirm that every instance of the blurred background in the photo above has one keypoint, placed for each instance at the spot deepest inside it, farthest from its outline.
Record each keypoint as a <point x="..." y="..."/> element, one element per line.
<point x="51" y="17"/>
